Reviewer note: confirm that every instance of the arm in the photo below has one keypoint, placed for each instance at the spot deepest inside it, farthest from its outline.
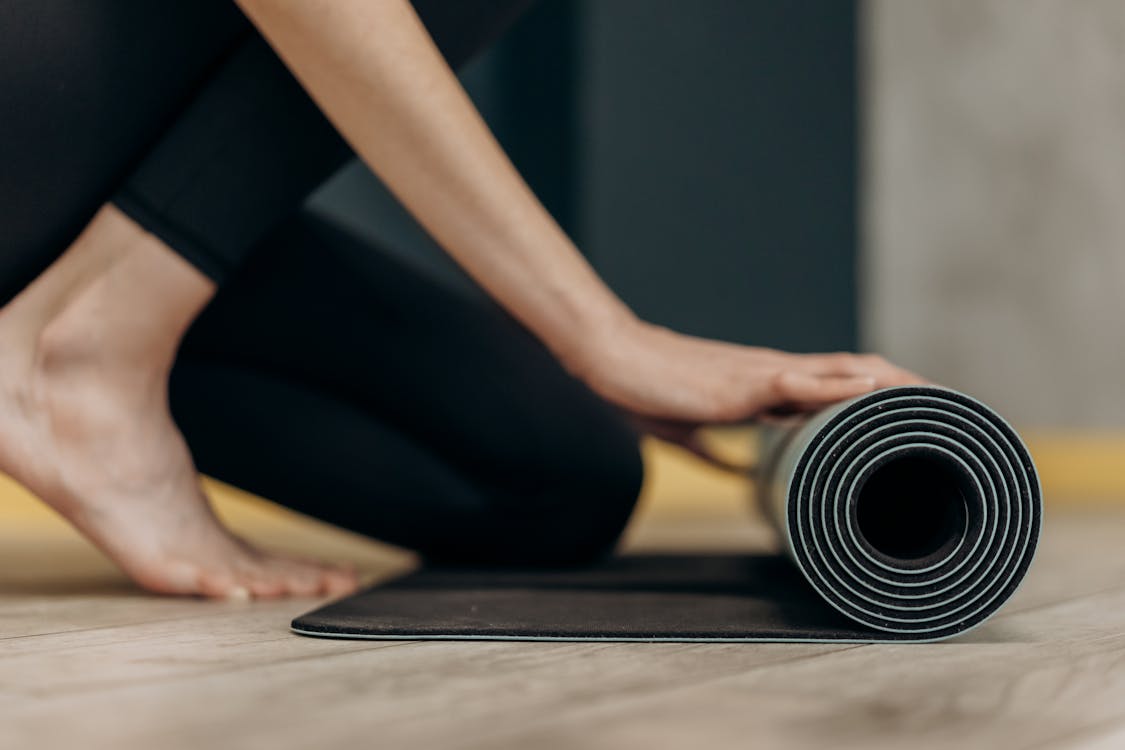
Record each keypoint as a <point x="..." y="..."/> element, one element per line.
<point x="373" y="69"/>
<point x="375" y="72"/>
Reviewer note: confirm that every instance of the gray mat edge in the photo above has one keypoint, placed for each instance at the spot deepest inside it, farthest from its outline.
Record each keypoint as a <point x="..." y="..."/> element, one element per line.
<point x="606" y="639"/>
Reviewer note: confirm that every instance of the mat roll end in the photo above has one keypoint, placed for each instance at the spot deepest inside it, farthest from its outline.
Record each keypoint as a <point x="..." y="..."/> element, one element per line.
<point x="913" y="510"/>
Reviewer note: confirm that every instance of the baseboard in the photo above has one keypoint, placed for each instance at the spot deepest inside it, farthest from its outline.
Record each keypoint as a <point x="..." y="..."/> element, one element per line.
<point x="1076" y="468"/>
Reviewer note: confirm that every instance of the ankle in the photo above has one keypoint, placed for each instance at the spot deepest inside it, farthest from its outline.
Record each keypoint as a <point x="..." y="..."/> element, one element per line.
<point x="80" y="340"/>
<point x="118" y="296"/>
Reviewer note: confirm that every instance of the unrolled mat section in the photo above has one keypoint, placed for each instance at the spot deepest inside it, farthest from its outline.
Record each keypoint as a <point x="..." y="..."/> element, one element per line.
<point x="908" y="514"/>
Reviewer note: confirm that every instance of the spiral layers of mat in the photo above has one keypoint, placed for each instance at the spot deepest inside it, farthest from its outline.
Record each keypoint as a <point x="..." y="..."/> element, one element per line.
<point x="915" y="511"/>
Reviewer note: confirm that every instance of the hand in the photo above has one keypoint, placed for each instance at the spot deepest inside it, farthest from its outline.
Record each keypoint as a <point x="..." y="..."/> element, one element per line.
<point x="657" y="373"/>
<point x="674" y="383"/>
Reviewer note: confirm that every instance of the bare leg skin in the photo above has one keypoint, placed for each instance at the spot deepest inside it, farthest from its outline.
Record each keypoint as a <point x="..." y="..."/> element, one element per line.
<point x="85" y="353"/>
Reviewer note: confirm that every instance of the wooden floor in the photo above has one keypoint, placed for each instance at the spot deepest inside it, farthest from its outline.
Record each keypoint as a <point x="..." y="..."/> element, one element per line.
<point x="86" y="661"/>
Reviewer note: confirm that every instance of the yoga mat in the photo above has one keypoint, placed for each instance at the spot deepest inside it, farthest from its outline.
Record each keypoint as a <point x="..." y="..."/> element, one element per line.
<point x="907" y="514"/>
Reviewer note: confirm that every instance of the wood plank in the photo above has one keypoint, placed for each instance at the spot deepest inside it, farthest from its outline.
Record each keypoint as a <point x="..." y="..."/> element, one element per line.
<point x="415" y="695"/>
<point x="226" y="640"/>
<point x="174" y="673"/>
<point x="1050" y="673"/>
<point x="1110" y="736"/>
<point x="442" y="693"/>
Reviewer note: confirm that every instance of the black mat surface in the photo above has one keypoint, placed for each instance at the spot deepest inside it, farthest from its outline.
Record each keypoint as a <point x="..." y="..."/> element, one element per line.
<point x="676" y="597"/>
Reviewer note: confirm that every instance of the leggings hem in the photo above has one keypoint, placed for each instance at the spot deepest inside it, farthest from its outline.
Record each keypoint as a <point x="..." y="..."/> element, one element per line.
<point x="183" y="241"/>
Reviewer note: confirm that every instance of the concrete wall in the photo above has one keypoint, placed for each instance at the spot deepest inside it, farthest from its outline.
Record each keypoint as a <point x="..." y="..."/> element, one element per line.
<point x="994" y="253"/>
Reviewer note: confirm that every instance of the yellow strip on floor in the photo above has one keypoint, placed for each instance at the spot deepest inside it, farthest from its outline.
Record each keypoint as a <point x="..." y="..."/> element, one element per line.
<point x="1076" y="468"/>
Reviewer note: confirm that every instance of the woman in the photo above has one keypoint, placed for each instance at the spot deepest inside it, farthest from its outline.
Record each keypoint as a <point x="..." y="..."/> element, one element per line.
<point x="156" y="159"/>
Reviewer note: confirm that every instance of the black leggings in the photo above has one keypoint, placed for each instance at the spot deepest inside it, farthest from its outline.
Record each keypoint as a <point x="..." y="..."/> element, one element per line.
<point x="324" y="375"/>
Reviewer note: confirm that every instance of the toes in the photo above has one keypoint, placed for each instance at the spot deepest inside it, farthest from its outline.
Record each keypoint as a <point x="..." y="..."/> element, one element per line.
<point x="163" y="577"/>
<point x="268" y="585"/>
<point x="300" y="579"/>
<point x="340" y="581"/>
<point x="267" y="576"/>
<point x="316" y="579"/>
<point x="215" y="586"/>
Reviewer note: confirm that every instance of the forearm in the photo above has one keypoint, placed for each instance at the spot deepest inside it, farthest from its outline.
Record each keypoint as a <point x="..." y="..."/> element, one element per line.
<point x="377" y="75"/>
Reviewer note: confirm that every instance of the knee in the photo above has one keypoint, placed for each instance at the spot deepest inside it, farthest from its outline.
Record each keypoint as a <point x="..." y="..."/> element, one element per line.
<point x="575" y="515"/>
<point x="578" y="516"/>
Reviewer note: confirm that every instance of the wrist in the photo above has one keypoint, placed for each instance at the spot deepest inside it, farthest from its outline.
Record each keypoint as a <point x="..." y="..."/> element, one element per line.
<point x="595" y="336"/>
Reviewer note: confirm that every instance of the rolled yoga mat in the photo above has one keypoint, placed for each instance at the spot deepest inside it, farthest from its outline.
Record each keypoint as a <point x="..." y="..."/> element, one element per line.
<point x="908" y="514"/>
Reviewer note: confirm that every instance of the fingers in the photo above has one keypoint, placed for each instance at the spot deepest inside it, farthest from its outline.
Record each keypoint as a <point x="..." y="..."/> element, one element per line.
<point x="886" y="373"/>
<point x="672" y="378"/>
<point x="793" y="387"/>
<point x="794" y="392"/>
<point x="779" y="392"/>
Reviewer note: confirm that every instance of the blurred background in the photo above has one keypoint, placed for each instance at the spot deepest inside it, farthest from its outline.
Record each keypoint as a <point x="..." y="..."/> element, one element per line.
<point x="703" y="155"/>
<point x="941" y="182"/>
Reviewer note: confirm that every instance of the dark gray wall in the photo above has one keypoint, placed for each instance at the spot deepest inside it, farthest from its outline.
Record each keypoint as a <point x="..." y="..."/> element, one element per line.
<point x="702" y="154"/>
<point x="718" y="175"/>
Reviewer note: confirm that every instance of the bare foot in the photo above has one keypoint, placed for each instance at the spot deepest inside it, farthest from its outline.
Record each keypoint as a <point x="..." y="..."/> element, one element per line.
<point x="85" y="425"/>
